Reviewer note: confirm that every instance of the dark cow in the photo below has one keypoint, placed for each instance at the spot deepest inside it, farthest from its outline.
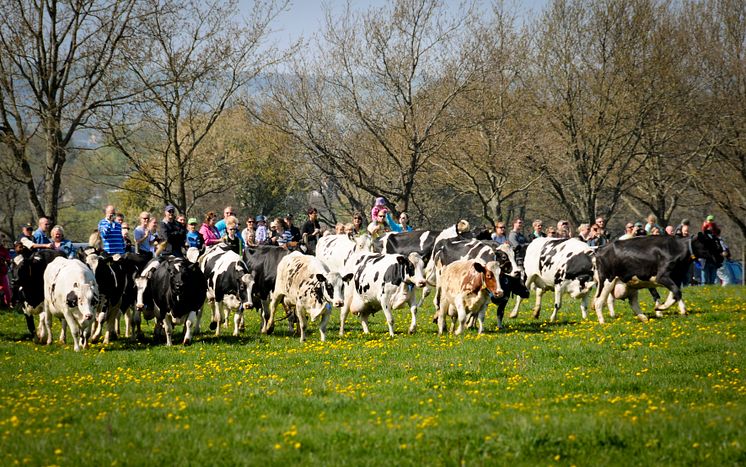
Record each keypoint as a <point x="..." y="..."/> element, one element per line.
<point x="262" y="262"/>
<point x="625" y="266"/>
<point x="404" y="243"/>
<point x="178" y="289"/>
<point x="229" y="285"/>
<point x="486" y="251"/>
<point x="28" y="287"/>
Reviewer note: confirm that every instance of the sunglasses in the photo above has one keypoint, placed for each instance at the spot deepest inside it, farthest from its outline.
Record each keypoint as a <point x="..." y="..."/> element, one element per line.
<point x="229" y="213"/>
<point x="249" y="222"/>
<point x="170" y="211"/>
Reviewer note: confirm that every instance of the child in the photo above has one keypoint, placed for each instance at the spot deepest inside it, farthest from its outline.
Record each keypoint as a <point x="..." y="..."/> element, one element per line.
<point x="193" y="238"/>
<point x="262" y="235"/>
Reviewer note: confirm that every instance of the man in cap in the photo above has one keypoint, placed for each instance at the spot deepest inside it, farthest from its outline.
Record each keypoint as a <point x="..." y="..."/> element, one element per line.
<point x="709" y="224"/>
<point x="111" y="232"/>
<point x="639" y="230"/>
<point x="311" y="230"/>
<point x="172" y="235"/>
<point x="295" y="231"/>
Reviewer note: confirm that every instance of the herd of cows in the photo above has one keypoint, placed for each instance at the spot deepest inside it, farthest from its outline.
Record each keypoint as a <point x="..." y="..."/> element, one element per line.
<point x="355" y="274"/>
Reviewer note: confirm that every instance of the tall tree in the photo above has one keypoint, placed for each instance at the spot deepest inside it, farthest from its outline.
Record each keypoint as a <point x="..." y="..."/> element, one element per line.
<point x="371" y="107"/>
<point x="584" y="95"/>
<point x="53" y="56"/>
<point x="191" y="60"/>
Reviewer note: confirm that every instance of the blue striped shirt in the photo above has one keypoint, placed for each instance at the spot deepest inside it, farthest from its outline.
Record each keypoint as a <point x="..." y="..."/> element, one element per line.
<point x="111" y="236"/>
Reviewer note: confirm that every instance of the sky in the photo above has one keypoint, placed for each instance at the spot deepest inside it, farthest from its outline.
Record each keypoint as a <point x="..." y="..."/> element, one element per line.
<point x="304" y="17"/>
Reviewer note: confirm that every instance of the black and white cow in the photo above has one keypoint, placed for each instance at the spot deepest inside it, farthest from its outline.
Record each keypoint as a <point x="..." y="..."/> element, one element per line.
<point x="229" y="285"/>
<point x="382" y="282"/>
<point x="333" y="250"/>
<point x="562" y="265"/>
<point x="28" y="287"/>
<point x="112" y="283"/>
<point x="70" y="293"/>
<point x="404" y="243"/>
<point x="510" y="273"/>
<point x="305" y="284"/>
<point x="626" y="266"/>
<point x="178" y="289"/>
<point x="262" y="262"/>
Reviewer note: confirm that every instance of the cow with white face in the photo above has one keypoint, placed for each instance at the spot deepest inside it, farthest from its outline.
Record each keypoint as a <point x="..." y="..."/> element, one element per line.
<point x="465" y="288"/>
<point x="229" y="285"/>
<point x="561" y="265"/>
<point x="382" y="282"/>
<point x="70" y="292"/>
<point x="305" y="284"/>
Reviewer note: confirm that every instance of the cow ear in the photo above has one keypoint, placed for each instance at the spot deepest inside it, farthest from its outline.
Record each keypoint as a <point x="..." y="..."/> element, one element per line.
<point x="479" y="267"/>
<point x="72" y="300"/>
<point x="402" y="260"/>
<point x="347" y="277"/>
<point x="320" y="278"/>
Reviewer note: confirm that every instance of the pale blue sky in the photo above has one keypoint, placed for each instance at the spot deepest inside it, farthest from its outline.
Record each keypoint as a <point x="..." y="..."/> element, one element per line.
<point x="304" y="17"/>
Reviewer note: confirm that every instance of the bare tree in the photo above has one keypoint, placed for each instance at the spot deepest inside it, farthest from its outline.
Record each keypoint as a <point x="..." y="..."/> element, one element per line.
<point x="371" y="108"/>
<point x="53" y="56"/>
<point x="718" y="33"/>
<point x="191" y="60"/>
<point x="583" y="93"/>
<point x="485" y="158"/>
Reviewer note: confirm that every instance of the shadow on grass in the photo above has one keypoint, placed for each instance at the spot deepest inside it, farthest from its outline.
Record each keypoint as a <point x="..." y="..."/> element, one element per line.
<point x="536" y="326"/>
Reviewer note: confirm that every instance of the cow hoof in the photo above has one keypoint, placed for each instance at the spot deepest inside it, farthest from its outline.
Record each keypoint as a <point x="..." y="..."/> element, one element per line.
<point x="412" y="330"/>
<point x="658" y="314"/>
<point x="270" y="329"/>
<point x="642" y="318"/>
<point x="213" y="326"/>
<point x="187" y="342"/>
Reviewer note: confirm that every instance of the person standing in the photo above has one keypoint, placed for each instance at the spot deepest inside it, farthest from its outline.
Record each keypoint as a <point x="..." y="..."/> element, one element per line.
<point x="538" y="230"/>
<point x="220" y="225"/>
<point x="601" y="223"/>
<point x="311" y="230"/>
<point x="516" y="237"/>
<point x="110" y="232"/>
<point x="40" y="234"/>
<point x="402" y="226"/>
<point x="231" y="237"/>
<point x="262" y="234"/>
<point x="294" y="230"/>
<point x="249" y="234"/>
<point x="209" y="232"/>
<point x="584" y="232"/>
<point x="60" y="243"/>
<point x="127" y="240"/>
<point x="499" y="235"/>
<point x="193" y="238"/>
<point x="172" y="235"/>
<point x="27" y="232"/>
<point x="143" y="236"/>
<point x="357" y="224"/>
<point x="563" y="228"/>
<point x="377" y="226"/>
<point x="5" y="289"/>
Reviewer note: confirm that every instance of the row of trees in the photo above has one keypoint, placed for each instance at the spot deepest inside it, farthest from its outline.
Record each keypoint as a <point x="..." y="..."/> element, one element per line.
<point x="589" y="108"/>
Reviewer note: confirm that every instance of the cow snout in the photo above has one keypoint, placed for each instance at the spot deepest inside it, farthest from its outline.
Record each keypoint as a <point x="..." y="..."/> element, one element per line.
<point x="139" y="307"/>
<point x="338" y="303"/>
<point x="421" y="283"/>
<point x="247" y="305"/>
<point x="88" y="316"/>
<point x="497" y="293"/>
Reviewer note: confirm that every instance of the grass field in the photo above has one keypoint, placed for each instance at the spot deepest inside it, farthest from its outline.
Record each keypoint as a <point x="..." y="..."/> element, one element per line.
<point x="669" y="392"/>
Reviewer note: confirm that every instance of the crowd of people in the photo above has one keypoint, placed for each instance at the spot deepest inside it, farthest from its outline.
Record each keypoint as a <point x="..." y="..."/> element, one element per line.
<point x="173" y="234"/>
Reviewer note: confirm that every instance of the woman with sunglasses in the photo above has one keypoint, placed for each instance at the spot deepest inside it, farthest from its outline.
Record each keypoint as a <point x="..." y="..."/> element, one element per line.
<point x="249" y="233"/>
<point x="231" y="237"/>
<point x="378" y="226"/>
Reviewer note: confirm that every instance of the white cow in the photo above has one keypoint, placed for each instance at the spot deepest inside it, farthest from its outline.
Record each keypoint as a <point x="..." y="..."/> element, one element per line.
<point x="333" y="250"/>
<point x="305" y="284"/>
<point x="70" y="292"/>
<point x="382" y="282"/>
<point x="562" y="265"/>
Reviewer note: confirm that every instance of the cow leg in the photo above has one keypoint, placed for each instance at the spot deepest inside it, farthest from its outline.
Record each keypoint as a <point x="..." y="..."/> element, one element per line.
<point x="634" y="302"/>
<point x="601" y="296"/>
<point x="364" y="322"/>
<point x="168" y="327"/>
<point x="343" y="315"/>
<point x="30" y="324"/>
<point x="584" y="306"/>
<point x="269" y="326"/>
<point x="74" y="329"/>
<point x="668" y="303"/>
<point x="537" y="305"/>
<point x="128" y="323"/>
<point x="461" y="311"/>
<point x="389" y="319"/>
<point x="610" y="304"/>
<point x="324" y="320"/>
<point x="63" y="331"/>
<point x="300" y="313"/>
<point x="557" y="303"/>
<point x="514" y="312"/>
<point x="217" y="317"/>
<point x="440" y="313"/>
<point x="112" y="326"/>
<point x="237" y="320"/>
<point x="189" y="324"/>
<point x="480" y="318"/>
<point x="413" y="311"/>
<point x="501" y="312"/>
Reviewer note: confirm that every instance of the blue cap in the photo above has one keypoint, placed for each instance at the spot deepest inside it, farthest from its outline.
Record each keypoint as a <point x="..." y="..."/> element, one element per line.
<point x="261" y="218"/>
<point x="170" y="207"/>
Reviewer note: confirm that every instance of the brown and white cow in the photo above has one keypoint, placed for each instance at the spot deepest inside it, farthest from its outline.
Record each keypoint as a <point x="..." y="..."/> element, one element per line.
<point x="465" y="288"/>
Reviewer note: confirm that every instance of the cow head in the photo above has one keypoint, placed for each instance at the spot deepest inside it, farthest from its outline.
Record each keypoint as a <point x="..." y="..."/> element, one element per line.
<point x="415" y="270"/>
<point x="579" y="274"/>
<point x="505" y="256"/>
<point x="84" y="297"/>
<point x="245" y="281"/>
<point x="708" y="247"/>
<point x="331" y="287"/>
<point x="490" y="277"/>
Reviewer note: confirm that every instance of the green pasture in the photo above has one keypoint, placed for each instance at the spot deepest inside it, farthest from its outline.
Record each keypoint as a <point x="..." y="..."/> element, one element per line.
<point x="668" y="392"/>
